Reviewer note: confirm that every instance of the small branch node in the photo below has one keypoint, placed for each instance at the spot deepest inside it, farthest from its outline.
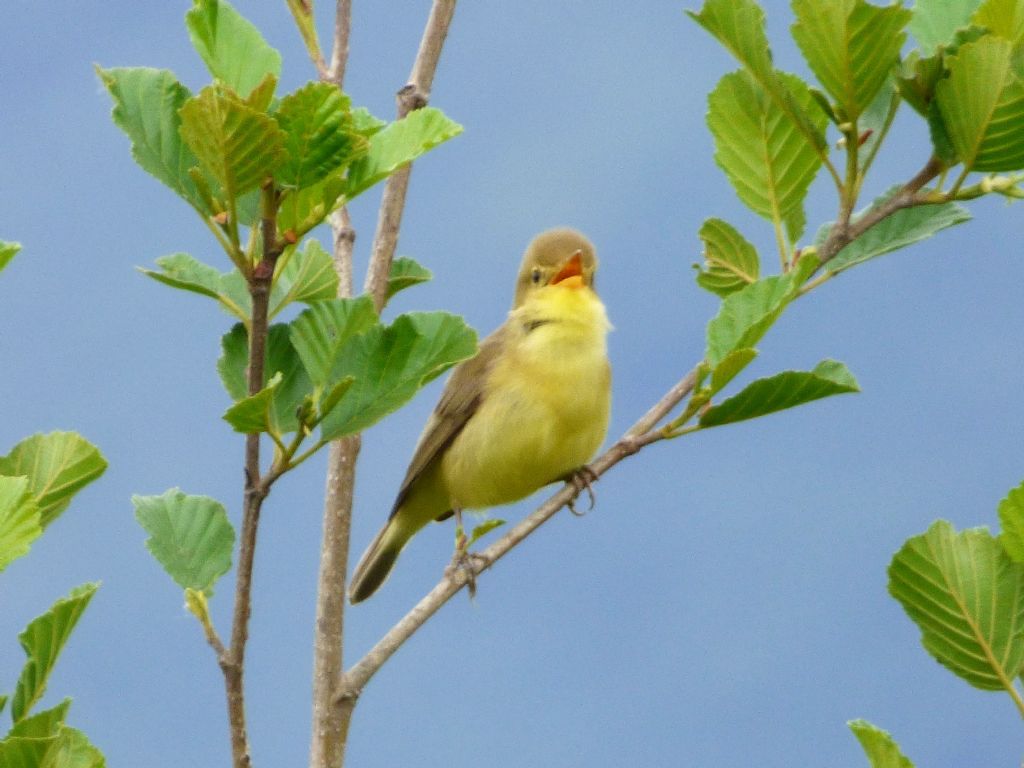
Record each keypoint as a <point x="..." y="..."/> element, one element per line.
<point x="411" y="97"/>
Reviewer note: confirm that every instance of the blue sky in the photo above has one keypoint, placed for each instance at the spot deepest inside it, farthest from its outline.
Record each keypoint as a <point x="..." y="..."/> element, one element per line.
<point x="724" y="605"/>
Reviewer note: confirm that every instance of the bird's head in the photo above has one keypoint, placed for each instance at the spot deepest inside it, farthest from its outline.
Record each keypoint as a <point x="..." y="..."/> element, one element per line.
<point x="559" y="257"/>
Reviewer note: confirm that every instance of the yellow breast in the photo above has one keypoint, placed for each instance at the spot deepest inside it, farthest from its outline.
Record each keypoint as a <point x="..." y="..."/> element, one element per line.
<point x="545" y="406"/>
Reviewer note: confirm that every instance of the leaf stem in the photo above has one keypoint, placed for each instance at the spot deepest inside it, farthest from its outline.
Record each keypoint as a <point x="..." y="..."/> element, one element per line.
<point x="293" y="463"/>
<point x="233" y="253"/>
<point x="894" y="107"/>
<point x="780" y="241"/>
<point x="302" y="12"/>
<point x="851" y="185"/>
<point x="959" y="181"/>
<point x="1015" y="695"/>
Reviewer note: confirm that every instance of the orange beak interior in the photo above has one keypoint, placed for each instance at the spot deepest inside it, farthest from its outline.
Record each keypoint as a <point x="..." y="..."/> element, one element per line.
<point x="571" y="273"/>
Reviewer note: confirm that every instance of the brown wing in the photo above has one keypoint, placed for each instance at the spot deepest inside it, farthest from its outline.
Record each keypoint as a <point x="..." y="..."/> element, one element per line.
<point x="459" y="401"/>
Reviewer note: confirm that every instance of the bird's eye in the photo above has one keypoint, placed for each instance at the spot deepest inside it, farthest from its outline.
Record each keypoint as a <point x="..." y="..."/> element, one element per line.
<point x="536" y="276"/>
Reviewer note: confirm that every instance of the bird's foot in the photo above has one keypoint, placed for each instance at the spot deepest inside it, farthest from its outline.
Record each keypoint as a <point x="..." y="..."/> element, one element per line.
<point x="470" y="563"/>
<point x="582" y="479"/>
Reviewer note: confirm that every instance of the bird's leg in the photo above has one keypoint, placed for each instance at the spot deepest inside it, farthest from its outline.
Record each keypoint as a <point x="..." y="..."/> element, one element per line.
<point x="463" y="559"/>
<point x="582" y="478"/>
<point x="460" y="535"/>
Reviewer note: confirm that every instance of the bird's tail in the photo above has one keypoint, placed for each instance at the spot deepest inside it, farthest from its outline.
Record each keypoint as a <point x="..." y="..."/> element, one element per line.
<point x="377" y="561"/>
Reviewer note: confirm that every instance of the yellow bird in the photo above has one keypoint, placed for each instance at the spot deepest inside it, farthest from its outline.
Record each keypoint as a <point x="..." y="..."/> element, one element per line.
<point x="531" y="407"/>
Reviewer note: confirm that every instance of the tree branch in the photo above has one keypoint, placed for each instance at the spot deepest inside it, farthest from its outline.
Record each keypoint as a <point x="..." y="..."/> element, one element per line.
<point x="331" y="718"/>
<point x="232" y="661"/>
<point x="339" y="53"/>
<point x="330" y="728"/>
<point x="845" y="232"/>
<point x="641" y="434"/>
<point x="414" y="95"/>
<point x="330" y="725"/>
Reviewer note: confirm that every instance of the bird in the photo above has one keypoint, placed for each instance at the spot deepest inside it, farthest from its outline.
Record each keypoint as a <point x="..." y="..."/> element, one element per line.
<point x="529" y="409"/>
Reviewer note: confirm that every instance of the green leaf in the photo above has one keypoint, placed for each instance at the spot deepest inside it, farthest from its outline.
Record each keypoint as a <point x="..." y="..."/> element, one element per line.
<point x="917" y="79"/>
<point x="26" y="751"/>
<point x="41" y="725"/>
<point x="739" y="26"/>
<point x="182" y="271"/>
<point x="57" y="465"/>
<point x="365" y="123"/>
<point x="479" y="531"/>
<point x="730" y="367"/>
<point x="295" y="384"/>
<point x="303" y="209"/>
<point x="232" y="48"/>
<point x="262" y="96"/>
<point x="146" y="105"/>
<point x="874" y="119"/>
<point x="934" y="22"/>
<point x="391" y="364"/>
<point x="941" y="144"/>
<point x="236" y="145"/>
<point x="19" y="519"/>
<point x="982" y="105"/>
<point x="67" y="748"/>
<point x="43" y="640"/>
<point x="767" y="159"/>
<point x="73" y="750"/>
<point x="1011" y="523"/>
<point x="406" y="272"/>
<point x="730" y="262"/>
<point x="325" y="328"/>
<point x="333" y="396"/>
<point x="320" y="138"/>
<point x="3" y="703"/>
<point x="851" y="47"/>
<point x="190" y="536"/>
<point x="880" y="747"/>
<point x="746" y="315"/>
<point x="398" y="144"/>
<point x="1004" y="18"/>
<point x="904" y="227"/>
<point x="308" y="275"/>
<point x="7" y="252"/>
<point x="967" y="597"/>
<point x="253" y="415"/>
<point x="781" y="391"/>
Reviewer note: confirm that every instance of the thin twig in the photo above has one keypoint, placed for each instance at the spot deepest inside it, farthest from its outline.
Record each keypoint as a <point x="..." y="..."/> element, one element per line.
<point x="344" y="239"/>
<point x="636" y="438"/>
<point x="907" y="196"/>
<point x="415" y="95"/>
<point x="339" y="54"/>
<point x="232" y="662"/>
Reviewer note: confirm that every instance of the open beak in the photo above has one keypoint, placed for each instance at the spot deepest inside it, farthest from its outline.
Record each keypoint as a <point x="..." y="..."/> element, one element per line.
<point x="571" y="273"/>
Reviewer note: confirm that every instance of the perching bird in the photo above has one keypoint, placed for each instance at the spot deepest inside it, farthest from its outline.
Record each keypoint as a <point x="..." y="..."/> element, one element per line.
<point x="531" y="407"/>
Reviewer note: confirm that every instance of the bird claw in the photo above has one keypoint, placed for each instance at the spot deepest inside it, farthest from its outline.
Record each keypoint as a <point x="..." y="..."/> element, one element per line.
<point x="470" y="563"/>
<point x="582" y="479"/>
